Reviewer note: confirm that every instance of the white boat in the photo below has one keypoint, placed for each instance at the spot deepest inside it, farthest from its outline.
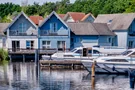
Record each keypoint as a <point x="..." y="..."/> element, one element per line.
<point x="113" y="64"/>
<point x="83" y="53"/>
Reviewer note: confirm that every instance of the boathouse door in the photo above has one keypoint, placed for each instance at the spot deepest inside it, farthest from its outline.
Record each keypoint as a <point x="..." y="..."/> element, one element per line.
<point x="15" y="46"/>
<point x="61" y="45"/>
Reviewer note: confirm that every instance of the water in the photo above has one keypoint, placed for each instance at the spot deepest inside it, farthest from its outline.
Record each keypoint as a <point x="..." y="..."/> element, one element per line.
<point x="26" y="76"/>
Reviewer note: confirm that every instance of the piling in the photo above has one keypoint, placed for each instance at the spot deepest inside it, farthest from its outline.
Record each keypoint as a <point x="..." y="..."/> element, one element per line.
<point x="92" y="83"/>
<point x="93" y="69"/>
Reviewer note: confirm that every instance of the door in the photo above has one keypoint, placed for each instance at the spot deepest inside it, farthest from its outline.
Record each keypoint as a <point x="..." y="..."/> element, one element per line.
<point x="130" y="44"/>
<point x="15" y="46"/>
<point x="61" y="45"/>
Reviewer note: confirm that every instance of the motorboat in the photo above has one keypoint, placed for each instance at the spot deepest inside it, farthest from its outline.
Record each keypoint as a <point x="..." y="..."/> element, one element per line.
<point x="113" y="64"/>
<point x="82" y="53"/>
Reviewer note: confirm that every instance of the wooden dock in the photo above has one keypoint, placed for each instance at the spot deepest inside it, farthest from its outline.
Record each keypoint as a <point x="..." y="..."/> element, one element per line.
<point x="74" y="64"/>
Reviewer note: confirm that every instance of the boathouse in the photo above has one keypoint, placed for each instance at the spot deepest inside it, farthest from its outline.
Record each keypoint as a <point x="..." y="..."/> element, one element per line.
<point x="22" y="36"/>
<point x="87" y="34"/>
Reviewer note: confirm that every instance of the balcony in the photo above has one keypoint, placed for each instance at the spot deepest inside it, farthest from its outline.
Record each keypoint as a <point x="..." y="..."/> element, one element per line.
<point x="50" y="33"/>
<point x="17" y="33"/>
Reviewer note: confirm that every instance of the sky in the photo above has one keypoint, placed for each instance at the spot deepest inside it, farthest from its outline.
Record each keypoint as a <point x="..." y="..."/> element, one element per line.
<point x="31" y="1"/>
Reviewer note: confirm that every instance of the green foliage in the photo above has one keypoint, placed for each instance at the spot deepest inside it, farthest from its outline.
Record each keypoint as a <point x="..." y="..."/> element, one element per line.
<point x="9" y="10"/>
<point x="3" y="54"/>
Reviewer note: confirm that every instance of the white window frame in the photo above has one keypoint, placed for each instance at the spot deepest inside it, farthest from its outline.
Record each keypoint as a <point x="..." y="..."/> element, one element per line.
<point x="46" y="45"/>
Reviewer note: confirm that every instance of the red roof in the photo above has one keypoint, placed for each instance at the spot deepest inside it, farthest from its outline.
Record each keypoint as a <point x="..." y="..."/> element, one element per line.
<point x="62" y="15"/>
<point x="77" y="16"/>
<point x="36" y="19"/>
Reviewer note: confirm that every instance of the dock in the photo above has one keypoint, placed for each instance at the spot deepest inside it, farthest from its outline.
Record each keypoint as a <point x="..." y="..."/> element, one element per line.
<point x="74" y="64"/>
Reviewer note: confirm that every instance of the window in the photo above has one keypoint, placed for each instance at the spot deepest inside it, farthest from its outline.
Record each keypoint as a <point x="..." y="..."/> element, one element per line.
<point x="22" y="27"/>
<point x="109" y="40"/>
<point x="117" y="60"/>
<point x="29" y="44"/>
<point x="46" y="44"/>
<point x="53" y="27"/>
<point x="130" y="44"/>
<point x="61" y="45"/>
<point x="94" y="52"/>
<point x="132" y="55"/>
<point x="79" y="51"/>
<point x="126" y="52"/>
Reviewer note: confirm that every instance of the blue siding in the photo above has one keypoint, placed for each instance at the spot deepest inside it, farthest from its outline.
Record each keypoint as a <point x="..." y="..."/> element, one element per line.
<point x="53" y="19"/>
<point x="79" y="40"/>
<point x="22" y="19"/>
<point x="61" y="28"/>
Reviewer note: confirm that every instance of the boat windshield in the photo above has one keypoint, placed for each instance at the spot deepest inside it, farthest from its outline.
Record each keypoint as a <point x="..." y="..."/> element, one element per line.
<point x="126" y="52"/>
<point x="73" y="50"/>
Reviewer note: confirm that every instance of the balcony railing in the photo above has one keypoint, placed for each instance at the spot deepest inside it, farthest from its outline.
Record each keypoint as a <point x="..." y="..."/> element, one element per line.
<point x="50" y="33"/>
<point x="17" y="33"/>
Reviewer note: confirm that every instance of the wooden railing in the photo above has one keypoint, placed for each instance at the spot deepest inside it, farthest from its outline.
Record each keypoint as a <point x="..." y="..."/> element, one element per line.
<point x="17" y="33"/>
<point x="32" y="51"/>
<point x="49" y="33"/>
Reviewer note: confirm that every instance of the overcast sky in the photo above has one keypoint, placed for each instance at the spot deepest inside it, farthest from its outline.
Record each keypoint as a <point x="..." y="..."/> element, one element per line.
<point x="31" y="1"/>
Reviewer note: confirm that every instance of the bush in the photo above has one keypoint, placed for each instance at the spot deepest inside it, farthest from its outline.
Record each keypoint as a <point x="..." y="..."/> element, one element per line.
<point x="3" y="54"/>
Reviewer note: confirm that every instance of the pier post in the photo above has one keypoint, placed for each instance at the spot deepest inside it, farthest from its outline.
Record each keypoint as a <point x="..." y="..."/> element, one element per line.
<point x="92" y="83"/>
<point x="93" y="69"/>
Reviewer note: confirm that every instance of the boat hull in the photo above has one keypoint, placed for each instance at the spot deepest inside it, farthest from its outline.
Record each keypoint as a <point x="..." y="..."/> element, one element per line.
<point x="101" y="67"/>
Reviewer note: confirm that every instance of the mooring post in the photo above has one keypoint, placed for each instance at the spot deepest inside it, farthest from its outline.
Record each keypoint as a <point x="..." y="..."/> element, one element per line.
<point x="93" y="69"/>
<point x="92" y="83"/>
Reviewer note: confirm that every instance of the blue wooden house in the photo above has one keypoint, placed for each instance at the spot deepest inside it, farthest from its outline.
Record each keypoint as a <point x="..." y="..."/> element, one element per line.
<point x="87" y="34"/>
<point x="54" y="33"/>
<point x="123" y="25"/>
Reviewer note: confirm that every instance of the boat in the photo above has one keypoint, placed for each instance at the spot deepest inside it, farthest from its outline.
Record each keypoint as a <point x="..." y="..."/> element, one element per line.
<point x="84" y="53"/>
<point x="113" y="64"/>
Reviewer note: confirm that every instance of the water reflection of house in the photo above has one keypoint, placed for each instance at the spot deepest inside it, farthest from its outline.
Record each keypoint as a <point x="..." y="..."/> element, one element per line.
<point x="20" y="75"/>
<point x="63" y="80"/>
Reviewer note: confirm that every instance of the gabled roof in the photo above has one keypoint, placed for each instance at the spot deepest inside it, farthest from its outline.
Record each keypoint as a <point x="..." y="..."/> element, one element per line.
<point x="53" y="13"/>
<point x="36" y="19"/>
<point x="3" y="26"/>
<point x="116" y="21"/>
<point x="76" y="16"/>
<point x="22" y="13"/>
<point x="61" y="15"/>
<point x="86" y="28"/>
<point x="86" y="16"/>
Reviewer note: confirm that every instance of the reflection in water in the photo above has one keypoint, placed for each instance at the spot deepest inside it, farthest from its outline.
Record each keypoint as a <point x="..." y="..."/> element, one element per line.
<point x="28" y="76"/>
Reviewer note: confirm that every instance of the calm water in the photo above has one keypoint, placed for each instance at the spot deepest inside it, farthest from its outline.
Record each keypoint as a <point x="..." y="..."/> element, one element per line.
<point x="26" y="76"/>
